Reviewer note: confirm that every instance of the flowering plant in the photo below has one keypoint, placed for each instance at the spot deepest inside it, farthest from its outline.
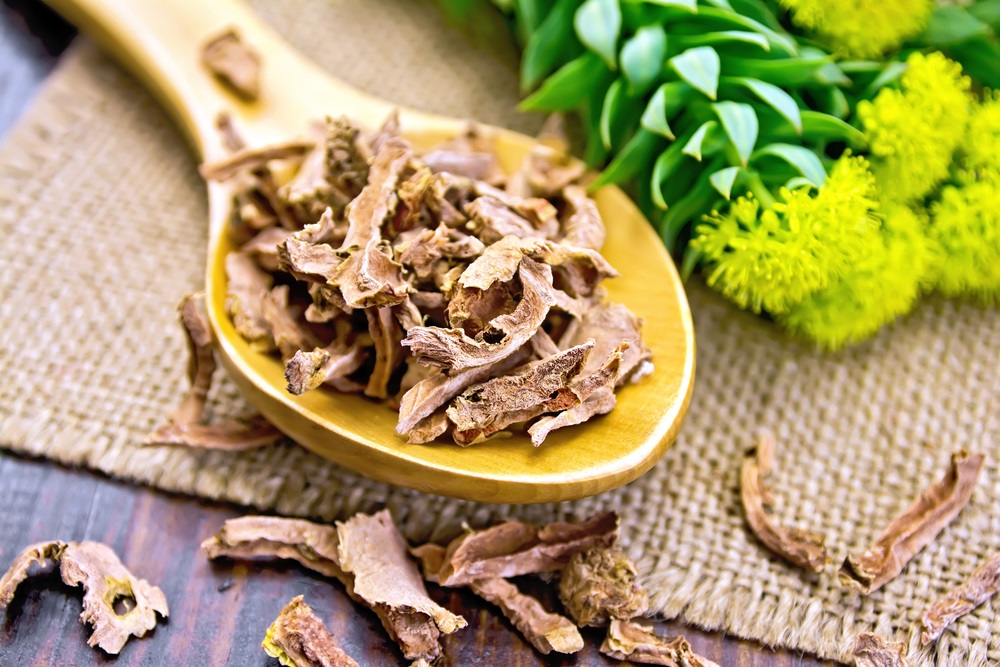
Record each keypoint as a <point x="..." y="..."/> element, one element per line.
<point x="824" y="163"/>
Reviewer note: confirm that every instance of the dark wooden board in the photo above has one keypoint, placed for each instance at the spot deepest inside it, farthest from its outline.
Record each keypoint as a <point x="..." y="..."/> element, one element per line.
<point x="219" y="611"/>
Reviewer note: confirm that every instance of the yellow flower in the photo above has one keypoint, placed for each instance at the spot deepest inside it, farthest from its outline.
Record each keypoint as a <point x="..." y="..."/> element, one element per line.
<point x="861" y="28"/>
<point x="771" y="259"/>
<point x="966" y="223"/>
<point x="982" y="137"/>
<point x="913" y="132"/>
<point x="884" y="284"/>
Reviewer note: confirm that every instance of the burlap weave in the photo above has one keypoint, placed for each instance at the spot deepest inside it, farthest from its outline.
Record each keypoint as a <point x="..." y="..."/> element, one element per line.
<point x="102" y="231"/>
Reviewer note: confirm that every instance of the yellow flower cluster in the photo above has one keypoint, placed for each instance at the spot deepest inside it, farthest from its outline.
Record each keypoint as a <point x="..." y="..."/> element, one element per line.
<point x="773" y="258"/>
<point x="913" y="132"/>
<point x="981" y="147"/>
<point x="966" y="223"/>
<point x="861" y="28"/>
<point x="885" y="283"/>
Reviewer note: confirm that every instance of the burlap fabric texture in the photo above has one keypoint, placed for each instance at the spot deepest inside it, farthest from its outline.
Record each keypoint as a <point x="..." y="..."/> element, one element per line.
<point x="102" y="231"/>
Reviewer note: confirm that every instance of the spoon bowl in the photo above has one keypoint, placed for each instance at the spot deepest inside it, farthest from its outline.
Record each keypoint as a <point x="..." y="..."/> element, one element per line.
<point x="160" y="42"/>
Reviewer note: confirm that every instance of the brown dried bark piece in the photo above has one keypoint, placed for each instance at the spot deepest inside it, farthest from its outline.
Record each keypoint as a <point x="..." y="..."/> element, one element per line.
<point x="357" y="554"/>
<point x="233" y="63"/>
<point x="801" y="548"/>
<point x="512" y="548"/>
<point x="36" y="554"/>
<point x="584" y="227"/>
<point x="599" y="585"/>
<point x="184" y="427"/>
<point x="306" y="371"/>
<point x="105" y="579"/>
<point x="263" y="248"/>
<point x="915" y="528"/>
<point x="871" y="650"/>
<point x="246" y="286"/>
<point x="429" y="394"/>
<point x="546" y="172"/>
<point x="428" y="429"/>
<point x="541" y="386"/>
<point x="479" y="165"/>
<point x="369" y="277"/>
<point x="298" y="638"/>
<point x="387" y="334"/>
<point x="289" y="336"/>
<point x="545" y="631"/>
<point x="248" y="159"/>
<point x="374" y="553"/>
<point x="959" y="601"/>
<point x="608" y="324"/>
<point x="453" y="350"/>
<point x="636" y="642"/>
<point x="595" y="394"/>
<point x="492" y="221"/>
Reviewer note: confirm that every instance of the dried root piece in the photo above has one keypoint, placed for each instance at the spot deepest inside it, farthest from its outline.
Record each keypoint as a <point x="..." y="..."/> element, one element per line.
<point x="871" y="650"/>
<point x="234" y="64"/>
<point x="374" y="553"/>
<point x="599" y="585"/>
<point x="513" y="548"/>
<point x="36" y="554"/>
<point x="546" y="632"/>
<point x="959" y="601"/>
<point x="367" y="554"/>
<point x="801" y="548"/>
<point x="184" y="427"/>
<point x="306" y="371"/>
<point x="297" y="638"/>
<point x="105" y="580"/>
<point x="915" y="528"/>
<point x="248" y="159"/>
<point x="628" y="640"/>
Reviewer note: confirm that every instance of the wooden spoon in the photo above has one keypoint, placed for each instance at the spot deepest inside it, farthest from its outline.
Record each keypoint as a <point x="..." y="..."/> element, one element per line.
<point x="160" y="42"/>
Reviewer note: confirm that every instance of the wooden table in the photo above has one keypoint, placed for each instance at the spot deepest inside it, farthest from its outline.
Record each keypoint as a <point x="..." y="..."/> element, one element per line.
<point x="219" y="611"/>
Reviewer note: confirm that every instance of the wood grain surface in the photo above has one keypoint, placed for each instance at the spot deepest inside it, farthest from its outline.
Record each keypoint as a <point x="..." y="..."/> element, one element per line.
<point x="219" y="611"/>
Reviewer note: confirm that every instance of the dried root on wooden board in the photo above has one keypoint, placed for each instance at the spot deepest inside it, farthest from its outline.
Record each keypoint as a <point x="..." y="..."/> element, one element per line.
<point x="636" y="642"/>
<point x="469" y="300"/>
<point x="801" y="548"/>
<point x="105" y="580"/>
<point x="233" y="63"/>
<point x="974" y="591"/>
<point x="599" y="585"/>
<point x="871" y="650"/>
<point x="366" y="553"/>
<point x="915" y="528"/>
<point x="185" y="425"/>
<point x="298" y="638"/>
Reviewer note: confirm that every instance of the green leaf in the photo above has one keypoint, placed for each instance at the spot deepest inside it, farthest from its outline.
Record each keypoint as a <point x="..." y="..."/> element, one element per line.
<point x="570" y="85"/>
<point x="666" y="101"/>
<point x="783" y="41"/>
<point x="802" y="159"/>
<point x="529" y="16"/>
<point x="739" y="120"/>
<point x="723" y="180"/>
<point x="612" y="100"/>
<point x="725" y="37"/>
<point x="700" y="68"/>
<point x="774" y="97"/>
<point x="987" y="11"/>
<point x="626" y="164"/>
<point x="830" y="74"/>
<point x="797" y="182"/>
<point x="691" y="258"/>
<point x="598" y="24"/>
<point x="758" y="11"/>
<point x="889" y="74"/>
<point x="666" y="164"/>
<point x="687" y="208"/>
<point x="695" y="145"/>
<point x="951" y="25"/>
<point x="979" y="58"/>
<point x="687" y="5"/>
<point x="548" y="44"/>
<point x="642" y="56"/>
<point x="816" y="126"/>
<point x="784" y="72"/>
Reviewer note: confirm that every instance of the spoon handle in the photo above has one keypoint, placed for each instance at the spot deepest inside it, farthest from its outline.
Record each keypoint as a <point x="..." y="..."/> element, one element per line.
<point x="160" y="42"/>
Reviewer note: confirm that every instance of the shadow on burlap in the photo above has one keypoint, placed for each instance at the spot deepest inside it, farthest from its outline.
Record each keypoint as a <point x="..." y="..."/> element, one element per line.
<point x="102" y="231"/>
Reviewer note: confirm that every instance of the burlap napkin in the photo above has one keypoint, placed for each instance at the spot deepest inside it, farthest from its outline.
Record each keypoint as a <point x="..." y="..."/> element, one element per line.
<point x="102" y="231"/>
